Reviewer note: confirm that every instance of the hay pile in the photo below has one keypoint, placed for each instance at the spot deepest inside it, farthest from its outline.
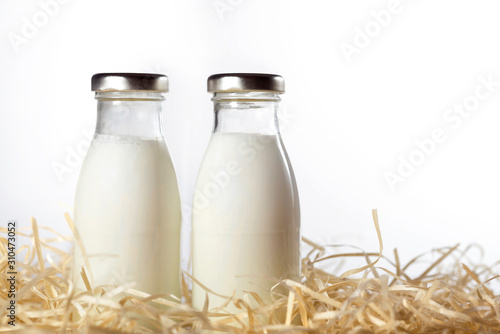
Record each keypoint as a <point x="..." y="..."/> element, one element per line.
<point x="365" y="300"/>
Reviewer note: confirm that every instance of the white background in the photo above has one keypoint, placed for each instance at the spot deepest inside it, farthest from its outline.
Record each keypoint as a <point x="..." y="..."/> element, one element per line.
<point x="350" y="118"/>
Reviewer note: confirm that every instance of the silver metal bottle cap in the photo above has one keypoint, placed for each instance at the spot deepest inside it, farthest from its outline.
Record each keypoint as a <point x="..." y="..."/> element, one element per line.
<point x="245" y="82"/>
<point x="120" y="82"/>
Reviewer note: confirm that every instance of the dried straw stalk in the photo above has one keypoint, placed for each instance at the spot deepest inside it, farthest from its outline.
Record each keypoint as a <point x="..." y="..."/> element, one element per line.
<point x="381" y="300"/>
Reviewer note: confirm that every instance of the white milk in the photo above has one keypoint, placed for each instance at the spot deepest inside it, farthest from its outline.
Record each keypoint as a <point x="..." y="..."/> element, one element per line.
<point x="127" y="210"/>
<point x="246" y="224"/>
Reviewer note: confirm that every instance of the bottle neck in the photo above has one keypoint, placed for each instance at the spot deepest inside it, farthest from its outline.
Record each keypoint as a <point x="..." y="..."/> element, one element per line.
<point x="130" y="114"/>
<point x="246" y="112"/>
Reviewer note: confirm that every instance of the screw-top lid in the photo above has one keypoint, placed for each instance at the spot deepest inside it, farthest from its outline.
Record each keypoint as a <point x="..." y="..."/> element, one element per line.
<point x="238" y="82"/>
<point x="119" y="82"/>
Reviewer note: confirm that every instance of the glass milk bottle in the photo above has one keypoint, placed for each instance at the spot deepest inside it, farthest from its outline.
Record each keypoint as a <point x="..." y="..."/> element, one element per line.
<point x="127" y="207"/>
<point x="246" y="215"/>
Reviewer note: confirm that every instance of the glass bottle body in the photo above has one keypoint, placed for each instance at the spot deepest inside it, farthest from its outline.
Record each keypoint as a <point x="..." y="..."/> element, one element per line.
<point x="127" y="206"/>
<point x="246" y="214"/>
